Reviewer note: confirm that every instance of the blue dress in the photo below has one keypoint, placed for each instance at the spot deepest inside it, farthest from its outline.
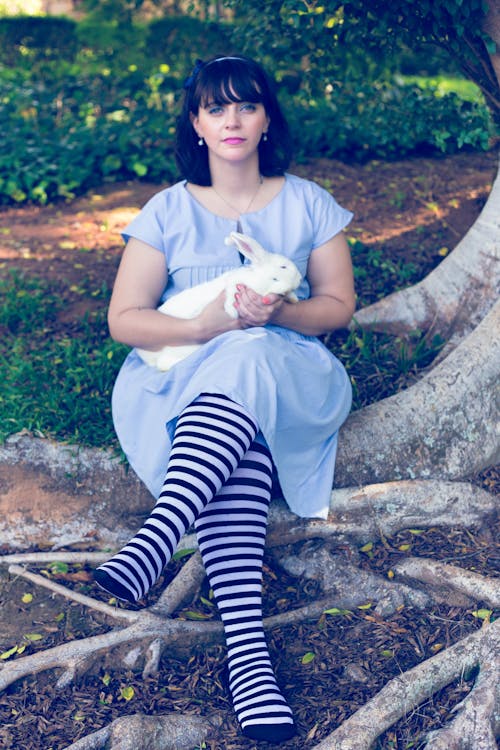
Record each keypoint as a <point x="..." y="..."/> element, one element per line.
<point x="296" y="389"/>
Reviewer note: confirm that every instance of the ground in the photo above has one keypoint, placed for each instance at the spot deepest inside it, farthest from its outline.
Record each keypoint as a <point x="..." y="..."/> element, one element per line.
<point x="416" y="208"/>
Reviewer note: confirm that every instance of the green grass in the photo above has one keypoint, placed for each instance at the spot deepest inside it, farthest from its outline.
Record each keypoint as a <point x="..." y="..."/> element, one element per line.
<point x="57" y="379"/>
<point x="54" y="384"/>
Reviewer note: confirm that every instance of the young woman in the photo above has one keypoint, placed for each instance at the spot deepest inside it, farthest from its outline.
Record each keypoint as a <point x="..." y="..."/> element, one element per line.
<point x="262" y="397"/>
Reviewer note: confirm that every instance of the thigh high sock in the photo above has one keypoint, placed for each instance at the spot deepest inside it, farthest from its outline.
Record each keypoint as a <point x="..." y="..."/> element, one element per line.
<point x="212" y="435"/>
<point x="231" y="533"/>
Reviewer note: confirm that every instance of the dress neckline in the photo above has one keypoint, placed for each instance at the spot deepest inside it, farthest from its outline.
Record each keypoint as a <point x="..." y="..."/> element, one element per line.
<point x="249" y="213"/>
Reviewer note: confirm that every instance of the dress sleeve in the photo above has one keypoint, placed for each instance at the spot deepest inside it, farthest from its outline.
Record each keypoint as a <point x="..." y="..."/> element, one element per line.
<point x="329" y="218"/>
<point x="149" y="223"/>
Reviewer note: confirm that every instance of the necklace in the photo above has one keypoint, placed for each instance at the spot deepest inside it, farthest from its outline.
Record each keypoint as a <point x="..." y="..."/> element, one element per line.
<point x="237" y="210"/>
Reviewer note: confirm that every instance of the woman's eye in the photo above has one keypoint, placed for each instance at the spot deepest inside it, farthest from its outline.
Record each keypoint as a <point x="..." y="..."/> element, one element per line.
<point x="248" y="107"/>
<point x="214" y="110"/>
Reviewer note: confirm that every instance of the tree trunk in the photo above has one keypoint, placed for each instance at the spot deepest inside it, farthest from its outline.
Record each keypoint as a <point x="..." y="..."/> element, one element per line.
<point x="446" y="425"/>
<point x="456" y="295"/>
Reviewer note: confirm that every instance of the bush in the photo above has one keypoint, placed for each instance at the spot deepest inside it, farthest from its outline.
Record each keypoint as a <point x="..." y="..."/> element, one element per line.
<point x="60" y="140"/>
<point x="183" y="39"/>
<point x="68" y="126"/>
<point x="28" y="39"/>
<point x="387" y="121"/>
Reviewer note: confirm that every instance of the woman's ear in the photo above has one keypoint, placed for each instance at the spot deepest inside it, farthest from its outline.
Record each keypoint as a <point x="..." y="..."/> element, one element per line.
<point x="194" y="122"/>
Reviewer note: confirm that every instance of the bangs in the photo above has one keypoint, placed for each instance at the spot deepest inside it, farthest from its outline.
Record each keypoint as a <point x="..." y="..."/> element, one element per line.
<point x="225" y="82"/>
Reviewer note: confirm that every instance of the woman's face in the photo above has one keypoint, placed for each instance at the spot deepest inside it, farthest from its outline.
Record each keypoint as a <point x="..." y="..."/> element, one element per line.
<point x="231" y="130"/>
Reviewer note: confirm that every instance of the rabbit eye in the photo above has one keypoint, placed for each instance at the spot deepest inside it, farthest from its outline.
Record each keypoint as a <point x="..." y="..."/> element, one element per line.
<point x="275" y="279"/>
<point x="282" y="266"/>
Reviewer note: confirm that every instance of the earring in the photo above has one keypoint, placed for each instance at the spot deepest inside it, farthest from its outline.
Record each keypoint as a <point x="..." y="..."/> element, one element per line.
<point x="264" y="137"/>
<point x="201" y="142"/>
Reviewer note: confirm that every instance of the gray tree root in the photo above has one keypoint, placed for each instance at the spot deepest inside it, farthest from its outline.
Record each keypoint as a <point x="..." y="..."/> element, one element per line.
<point x="454" y="584"/>
<point x="457" y="294"/>
<point x="405" y="692"/>
<point x="165" y="732"/>
<point x="446" y="425"/>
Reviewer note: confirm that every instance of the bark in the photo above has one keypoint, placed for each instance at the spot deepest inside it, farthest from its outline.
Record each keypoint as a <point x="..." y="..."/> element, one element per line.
<point x="446" y="425"/>
<point x="166" y="732"/>
<point x="405" y="692"/>
<point x="456" y="295"/>
<point x="450" y="580"/>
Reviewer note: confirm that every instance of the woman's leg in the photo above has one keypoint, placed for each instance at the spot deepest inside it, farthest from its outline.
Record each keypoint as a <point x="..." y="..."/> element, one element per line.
<point x="231" y="532"/>
<point x="212" y="435"/>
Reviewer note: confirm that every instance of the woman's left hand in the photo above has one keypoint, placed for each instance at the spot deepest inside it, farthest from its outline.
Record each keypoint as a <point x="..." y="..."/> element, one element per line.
<point x="254" y="310"/>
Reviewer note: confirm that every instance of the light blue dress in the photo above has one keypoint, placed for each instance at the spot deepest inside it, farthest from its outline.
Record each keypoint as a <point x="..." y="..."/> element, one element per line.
<point x="296" y="389"/>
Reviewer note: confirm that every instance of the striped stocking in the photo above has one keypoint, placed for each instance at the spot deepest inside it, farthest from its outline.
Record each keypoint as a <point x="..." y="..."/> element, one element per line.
<point x="212" y="435"/>
<point x="231" y="533"/>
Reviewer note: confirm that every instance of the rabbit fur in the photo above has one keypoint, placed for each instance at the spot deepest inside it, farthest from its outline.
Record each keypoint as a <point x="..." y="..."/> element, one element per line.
<point x="267" y="273"/>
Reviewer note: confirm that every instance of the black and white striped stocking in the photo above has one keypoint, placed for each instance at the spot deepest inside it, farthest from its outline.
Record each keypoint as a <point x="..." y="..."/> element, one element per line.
<point x="231" y="532"/>
<point x="211" y="437"/>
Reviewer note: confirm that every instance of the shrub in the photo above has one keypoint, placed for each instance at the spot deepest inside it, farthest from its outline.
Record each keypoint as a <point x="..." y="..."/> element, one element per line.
<point x="25" y="39"/>
<point x="183" y="39"/>
<point x="387" y="121"/>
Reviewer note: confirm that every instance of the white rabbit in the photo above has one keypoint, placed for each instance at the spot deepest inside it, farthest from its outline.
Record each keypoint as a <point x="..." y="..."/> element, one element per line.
<point x="268" y="273"/>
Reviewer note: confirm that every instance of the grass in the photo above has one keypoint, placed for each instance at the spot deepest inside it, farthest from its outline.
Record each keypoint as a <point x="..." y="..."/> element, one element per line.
<point x="56" y="383"/>
<point x="58" y="378"/>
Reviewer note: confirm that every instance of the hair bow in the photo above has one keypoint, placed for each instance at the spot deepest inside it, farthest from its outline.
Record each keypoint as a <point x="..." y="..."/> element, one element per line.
<point x="199" y="64"/>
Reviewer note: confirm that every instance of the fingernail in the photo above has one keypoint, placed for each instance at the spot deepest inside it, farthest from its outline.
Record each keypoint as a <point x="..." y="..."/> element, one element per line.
<point x="266" y="300"/>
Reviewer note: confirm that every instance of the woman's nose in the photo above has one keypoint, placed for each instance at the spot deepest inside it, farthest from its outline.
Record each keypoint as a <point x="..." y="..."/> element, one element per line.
<point x="233" y="116"/>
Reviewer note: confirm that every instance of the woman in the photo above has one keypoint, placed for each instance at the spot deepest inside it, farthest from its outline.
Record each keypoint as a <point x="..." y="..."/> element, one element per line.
<point x="261" y="395"/>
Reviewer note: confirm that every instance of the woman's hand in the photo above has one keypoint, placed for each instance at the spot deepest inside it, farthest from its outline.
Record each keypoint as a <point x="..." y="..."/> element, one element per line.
<point x="254" y="310"/>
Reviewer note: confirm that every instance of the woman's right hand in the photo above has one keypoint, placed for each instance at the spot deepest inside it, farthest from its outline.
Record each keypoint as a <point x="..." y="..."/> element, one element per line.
<point x="214" y="320"/>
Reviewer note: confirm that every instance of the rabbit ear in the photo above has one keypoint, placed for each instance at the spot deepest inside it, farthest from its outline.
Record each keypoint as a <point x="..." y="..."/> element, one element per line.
<point x="248" y="247"/>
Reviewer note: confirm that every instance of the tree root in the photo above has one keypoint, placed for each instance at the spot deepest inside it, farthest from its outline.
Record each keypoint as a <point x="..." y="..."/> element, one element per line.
<point x="165" y="732"/>
<point x="456" y="295"/>
<point x="446" y="425"/>
<point x="450" y="583"/>
<point x="405" y="692"/>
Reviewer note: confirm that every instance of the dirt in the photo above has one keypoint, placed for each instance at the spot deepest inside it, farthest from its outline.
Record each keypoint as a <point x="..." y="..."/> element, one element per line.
<point x="415" y="208"/>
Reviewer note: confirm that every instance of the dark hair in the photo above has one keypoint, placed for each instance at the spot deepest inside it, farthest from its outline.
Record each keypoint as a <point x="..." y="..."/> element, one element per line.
<point x="222" y="80"/>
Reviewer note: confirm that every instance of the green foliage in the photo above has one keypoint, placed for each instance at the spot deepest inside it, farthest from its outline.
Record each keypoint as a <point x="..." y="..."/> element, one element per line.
<point x="25" y="40"/>
<point x="372" y="30"/>
<point x="60" y="137"/>
<point x="183" y="39"/>
<point x="386" y="121"/>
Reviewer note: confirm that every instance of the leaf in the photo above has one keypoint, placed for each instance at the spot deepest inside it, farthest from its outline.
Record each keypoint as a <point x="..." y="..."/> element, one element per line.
<point x="183" y="553"/>
<point x="106" y="679"/>
<point x="387" y="653"/>
<point x="365" y="606"/>
<point x="390" y="574"/>
<point x="27" y="598"/>
<point x="33" y="636"/>
<point x="127" y="693"/>
<point x="191" y="615"/>
<point x="483" y="614"/>
<point x="59" y="567"/>
<point x="9" y="653"/>
<point x="417" y="532"/>
<point x="308" y="657"/>
<point x="367" y="547"/>
<point x="337" y="611"/>
<point x="404" y="547"/>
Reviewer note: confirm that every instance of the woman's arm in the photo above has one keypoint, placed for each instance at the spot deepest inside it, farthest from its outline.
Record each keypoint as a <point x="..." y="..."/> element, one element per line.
<point x="132" y="315"/>
<point x="332" y="302"/>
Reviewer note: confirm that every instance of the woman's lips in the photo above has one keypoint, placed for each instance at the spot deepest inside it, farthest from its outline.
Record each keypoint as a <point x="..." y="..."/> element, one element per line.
<point x="233" y="141"/>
